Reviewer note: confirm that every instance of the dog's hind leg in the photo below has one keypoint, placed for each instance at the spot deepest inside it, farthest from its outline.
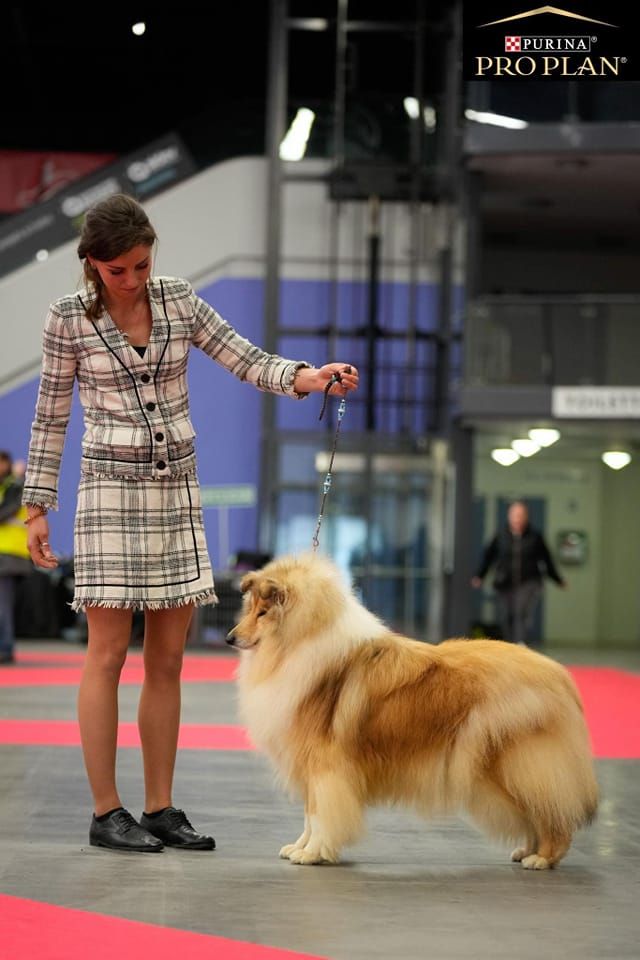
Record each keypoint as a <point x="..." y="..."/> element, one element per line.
<point x="551" y="849"/>
<point x="334" y="820"/>
<point x="499" y="814"/>
<point x="301" y="842"/>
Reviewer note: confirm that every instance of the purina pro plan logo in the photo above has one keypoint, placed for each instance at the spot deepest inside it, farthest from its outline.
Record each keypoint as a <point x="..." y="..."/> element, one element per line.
<point x="547" y="43"/>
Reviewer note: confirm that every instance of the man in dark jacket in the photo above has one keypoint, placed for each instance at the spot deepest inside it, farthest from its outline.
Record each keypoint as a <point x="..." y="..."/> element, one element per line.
<point x="521" y="559"/>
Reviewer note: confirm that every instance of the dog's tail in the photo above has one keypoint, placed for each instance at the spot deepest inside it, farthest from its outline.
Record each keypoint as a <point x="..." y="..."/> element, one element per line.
<point x="550" y="774"/>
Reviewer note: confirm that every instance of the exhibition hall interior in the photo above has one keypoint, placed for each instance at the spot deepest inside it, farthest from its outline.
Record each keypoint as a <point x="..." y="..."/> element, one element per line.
<point x="445" y="198"/>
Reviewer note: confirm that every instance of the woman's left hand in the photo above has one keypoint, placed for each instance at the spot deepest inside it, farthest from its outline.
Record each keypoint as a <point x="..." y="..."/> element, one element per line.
<point x="315" y="380"/>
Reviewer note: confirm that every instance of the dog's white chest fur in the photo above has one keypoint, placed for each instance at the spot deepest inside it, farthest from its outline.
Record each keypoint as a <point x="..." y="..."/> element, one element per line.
<point x="268" y="709"/>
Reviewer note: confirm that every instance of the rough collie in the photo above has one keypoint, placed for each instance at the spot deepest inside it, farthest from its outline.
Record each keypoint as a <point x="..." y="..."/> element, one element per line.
<point x="351" y="715"/>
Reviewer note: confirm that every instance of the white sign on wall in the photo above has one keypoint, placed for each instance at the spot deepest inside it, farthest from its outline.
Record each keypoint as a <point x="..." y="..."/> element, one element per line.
<point x="607" y="403"/>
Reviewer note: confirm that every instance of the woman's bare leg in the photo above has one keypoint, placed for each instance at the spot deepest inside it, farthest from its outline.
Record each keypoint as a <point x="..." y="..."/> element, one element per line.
<point x="159" y="709"/>
<point x="109" y="634"/>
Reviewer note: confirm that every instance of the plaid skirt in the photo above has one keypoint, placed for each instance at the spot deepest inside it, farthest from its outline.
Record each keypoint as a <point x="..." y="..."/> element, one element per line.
<point x="140" y="544"/>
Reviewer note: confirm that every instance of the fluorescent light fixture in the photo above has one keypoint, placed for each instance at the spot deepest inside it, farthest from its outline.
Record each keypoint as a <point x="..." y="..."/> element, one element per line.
<point x="544" y="436"/>
<point x="616" y="459"/>
<point x="496" y="119"/>
<point x="294" y="145"/>
<point x="524" y="447"/>
<point x="505" y="456"/>
<point x="42" y="255"/>
<point x="139" y="28"/>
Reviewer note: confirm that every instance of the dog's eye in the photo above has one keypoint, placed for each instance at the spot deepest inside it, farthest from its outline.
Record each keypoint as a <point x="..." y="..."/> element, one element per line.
<point x="262" y="613"/>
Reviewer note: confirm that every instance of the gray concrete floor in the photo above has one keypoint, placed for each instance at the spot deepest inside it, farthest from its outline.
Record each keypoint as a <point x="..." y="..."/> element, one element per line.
<point x="409" y="890"/>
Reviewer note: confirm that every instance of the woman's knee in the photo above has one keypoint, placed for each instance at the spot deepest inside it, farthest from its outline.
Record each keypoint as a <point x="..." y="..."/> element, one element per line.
<point x="162" y="664"/>
<point x="107" y="659"/>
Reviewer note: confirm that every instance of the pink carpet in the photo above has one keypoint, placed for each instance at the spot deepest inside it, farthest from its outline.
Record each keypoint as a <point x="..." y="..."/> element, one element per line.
<point x="30" y="930"/>
<point x="64" y="669"/>
<point x="611" y="701"/>
<point x="65" y="733"/>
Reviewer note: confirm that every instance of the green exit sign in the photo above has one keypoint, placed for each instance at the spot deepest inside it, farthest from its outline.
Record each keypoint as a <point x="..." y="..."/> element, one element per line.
<point x="229" y="495"/>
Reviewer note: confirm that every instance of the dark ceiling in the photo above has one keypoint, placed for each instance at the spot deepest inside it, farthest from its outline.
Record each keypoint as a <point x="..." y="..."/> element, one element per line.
<point x="80" y="80"/>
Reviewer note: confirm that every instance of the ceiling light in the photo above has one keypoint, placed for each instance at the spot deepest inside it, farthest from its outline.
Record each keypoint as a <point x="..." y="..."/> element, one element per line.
<point x="524" y="447"/>
<point x="139" y="28"/>
<point x="430" y="118"/>
<point x="496" y="119"/>
<point x="616" y="459"/>
<point x="412" y="107"/>
<point x="42" y="255"/>
<point x="505" y="456"/>
<point x="544" y="436"/>
<point x="294" y="145"/>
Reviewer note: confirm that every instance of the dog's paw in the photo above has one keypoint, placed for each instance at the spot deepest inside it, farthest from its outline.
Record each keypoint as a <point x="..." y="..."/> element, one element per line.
<point x="534" y="862"/>
<point x="287" y="850"/>
<point x="313" y="854"/>
<point x="519" y="854"/>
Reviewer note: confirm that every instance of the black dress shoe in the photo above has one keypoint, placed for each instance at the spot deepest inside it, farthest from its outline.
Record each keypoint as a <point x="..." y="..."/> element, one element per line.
<point x="121" y="831"/>
<point x="173" y="828"/>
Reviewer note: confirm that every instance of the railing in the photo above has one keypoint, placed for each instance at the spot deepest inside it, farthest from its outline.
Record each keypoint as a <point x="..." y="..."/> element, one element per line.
<point x="569" y="341"/>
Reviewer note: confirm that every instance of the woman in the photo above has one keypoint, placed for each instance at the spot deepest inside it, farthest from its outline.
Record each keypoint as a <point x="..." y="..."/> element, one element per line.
<point x="139" y="537"/>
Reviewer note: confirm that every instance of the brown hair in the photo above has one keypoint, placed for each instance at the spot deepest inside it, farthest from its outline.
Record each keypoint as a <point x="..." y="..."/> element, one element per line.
<point x="111" y="227"/>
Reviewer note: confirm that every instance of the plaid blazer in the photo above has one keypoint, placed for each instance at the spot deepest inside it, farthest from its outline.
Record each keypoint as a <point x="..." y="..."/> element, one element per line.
<point x="136" y="410"/>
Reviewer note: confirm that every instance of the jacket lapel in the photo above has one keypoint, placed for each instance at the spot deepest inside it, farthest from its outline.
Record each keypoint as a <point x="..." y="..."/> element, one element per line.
<point x="159" y="329"/>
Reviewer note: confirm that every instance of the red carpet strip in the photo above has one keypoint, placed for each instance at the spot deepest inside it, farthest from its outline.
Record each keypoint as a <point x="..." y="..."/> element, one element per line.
<point x="65" y="733"/>
<point x="30" y="930"/>
<point x="64" y="669"/>
<point x="611" y="701"/>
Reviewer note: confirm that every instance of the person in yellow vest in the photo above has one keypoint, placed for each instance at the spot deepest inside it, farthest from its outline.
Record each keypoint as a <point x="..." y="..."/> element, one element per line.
<point x="14" y="554"/>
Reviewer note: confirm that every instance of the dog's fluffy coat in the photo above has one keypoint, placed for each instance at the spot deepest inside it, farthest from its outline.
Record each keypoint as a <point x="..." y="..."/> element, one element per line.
<point x="351" y="715"/>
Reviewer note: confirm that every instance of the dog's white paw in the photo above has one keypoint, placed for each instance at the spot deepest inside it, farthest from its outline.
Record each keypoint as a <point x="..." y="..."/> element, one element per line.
<point x="519" y="854"/>
<point x="534" y="862"/>
<point x="287" y="850"/>
<point x="313" y="854"/>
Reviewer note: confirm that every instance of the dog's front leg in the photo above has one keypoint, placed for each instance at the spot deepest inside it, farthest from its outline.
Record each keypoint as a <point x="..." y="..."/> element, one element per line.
<point x="301" y="842"/>
<point x="333" y="819"/>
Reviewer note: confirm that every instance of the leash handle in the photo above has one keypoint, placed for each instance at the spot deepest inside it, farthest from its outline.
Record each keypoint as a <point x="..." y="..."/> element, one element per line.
<point x="335" y="378"/>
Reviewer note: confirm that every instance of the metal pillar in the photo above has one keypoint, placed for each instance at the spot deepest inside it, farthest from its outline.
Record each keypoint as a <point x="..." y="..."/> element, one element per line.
<point x="277" y="83"/>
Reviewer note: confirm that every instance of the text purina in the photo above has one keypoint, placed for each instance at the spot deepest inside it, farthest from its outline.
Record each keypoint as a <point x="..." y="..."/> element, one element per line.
<point x="555" y="44"/>
<point x="505" y="66"/>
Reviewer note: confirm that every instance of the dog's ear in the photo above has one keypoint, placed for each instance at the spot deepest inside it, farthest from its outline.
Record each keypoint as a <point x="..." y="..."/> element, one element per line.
<point x="247" y="582"/>
<point x="272" y="592"/>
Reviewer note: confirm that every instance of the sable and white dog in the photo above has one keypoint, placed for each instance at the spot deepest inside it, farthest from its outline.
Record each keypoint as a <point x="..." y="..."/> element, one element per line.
<point x="351" y="714"/>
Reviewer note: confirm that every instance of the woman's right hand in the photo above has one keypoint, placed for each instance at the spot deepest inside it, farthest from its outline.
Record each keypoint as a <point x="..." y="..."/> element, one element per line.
<point x="38" y="544"/>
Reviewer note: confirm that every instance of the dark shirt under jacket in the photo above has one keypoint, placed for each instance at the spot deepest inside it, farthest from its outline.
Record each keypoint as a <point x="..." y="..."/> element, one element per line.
<point x="518" y="559"/>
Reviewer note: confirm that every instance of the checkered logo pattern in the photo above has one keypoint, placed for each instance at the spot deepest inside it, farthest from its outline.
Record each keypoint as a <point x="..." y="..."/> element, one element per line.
<point x="512" y="44"/>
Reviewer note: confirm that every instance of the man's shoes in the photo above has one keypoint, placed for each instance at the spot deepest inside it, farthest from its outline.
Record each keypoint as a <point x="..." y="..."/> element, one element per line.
<point x="7" y="656"/>
<point x="120" y="831"/>
<point x="173" y="828"/>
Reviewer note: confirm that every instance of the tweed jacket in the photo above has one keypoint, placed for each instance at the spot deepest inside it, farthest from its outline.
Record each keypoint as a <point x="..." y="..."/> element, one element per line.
<point x="136" y="410"/>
